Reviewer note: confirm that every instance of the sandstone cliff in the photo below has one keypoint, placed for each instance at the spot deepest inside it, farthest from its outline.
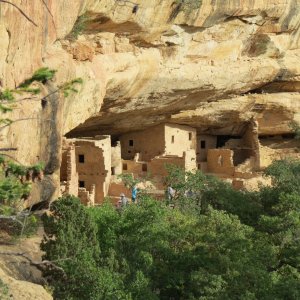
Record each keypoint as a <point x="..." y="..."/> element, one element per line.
<point x="210" y="64"/>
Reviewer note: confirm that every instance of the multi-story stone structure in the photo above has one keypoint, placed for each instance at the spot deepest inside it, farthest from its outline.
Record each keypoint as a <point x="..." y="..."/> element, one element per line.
<point x="90" y="165"/>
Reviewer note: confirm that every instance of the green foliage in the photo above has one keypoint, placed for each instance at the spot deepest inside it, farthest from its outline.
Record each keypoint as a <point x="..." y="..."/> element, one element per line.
<point x="14" y="188"/>
<point x="16" y="169"/>
<point x="129" y="180"/>
<point x="37" y="168"/>
<point x="72" y="243"/>
<point x="296" y="129"/>
<point x="6" y="105"/>
<point x="33" y="91"/>
<point x="12" y="191"/>
<point x="70" y="86"/>
<point x="41" y="75"/>
<point x="4" y="291"/>
<point x="217" y="243"/>
<point x="79" y="27"/>
<point x="7" y="95"/>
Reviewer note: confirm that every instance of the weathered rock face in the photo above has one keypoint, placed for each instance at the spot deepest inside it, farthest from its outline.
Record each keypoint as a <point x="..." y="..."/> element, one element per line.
<point x="210" y="64"/>
<point x="21" y="280"/>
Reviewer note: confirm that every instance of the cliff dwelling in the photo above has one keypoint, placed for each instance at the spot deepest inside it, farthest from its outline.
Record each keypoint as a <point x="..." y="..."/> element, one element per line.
<point x="90" y="166"/>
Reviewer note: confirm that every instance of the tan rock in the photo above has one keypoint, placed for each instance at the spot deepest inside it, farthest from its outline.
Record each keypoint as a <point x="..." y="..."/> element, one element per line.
<point x="150" y="64"/>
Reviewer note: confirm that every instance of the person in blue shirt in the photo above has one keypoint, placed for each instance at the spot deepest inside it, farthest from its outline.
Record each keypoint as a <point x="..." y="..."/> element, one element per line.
<point x="134" y="194"/>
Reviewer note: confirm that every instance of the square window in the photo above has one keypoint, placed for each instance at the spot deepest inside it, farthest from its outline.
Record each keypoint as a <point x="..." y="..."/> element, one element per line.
<point x="203" y="144"/>
<point x="81" y="184"/>
<point x="124" y="167"/>
<point x="81" y="158"/>
<point x="130" y="143"/>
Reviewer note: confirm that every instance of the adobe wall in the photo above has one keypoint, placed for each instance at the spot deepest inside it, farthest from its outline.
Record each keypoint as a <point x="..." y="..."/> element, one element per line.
<point x="202" y="166"/>
<point x="190" y="160"/>
<point x="64" y="165"/>
<point x="116" y="159"/>
<point x="72" y="174"/>
<point x="149" y="143"/>
<point x="156" y="169"/>
<point x="96" y="169"/>
<point x="179" y="139"/>
<point x="68" y="171"/>
<point x="87" y="197"/>
<point x="104" y="142"/>
<point x="220" y="161"/>
<point x="210" y="143"/>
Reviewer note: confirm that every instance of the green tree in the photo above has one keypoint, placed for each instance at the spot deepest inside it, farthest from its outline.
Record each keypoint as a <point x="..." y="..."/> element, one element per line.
<point x="209" y="246"/>
<point x="71" y="242"/>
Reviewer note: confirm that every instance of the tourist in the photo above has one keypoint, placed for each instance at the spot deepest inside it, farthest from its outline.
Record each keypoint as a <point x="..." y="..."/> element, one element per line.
<point x="171" y="193"/>
<point x="134" y="194"/>
<point x="123" y="200"/>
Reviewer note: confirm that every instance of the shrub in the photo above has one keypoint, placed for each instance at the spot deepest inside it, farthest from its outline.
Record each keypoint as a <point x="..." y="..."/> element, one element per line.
<point x="78" y="27"/>
<point x="41" y="75"/>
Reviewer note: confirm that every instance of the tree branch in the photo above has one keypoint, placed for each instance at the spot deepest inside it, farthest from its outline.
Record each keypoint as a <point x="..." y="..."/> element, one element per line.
<point x="11" y="157"/>
<point x="20" y="10"/>
<point x="8" y="149"/>
<point x="11" y="218"/>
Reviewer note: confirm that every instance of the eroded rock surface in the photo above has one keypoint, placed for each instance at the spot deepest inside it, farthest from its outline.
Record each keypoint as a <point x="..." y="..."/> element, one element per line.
<point x="210" y="64"/>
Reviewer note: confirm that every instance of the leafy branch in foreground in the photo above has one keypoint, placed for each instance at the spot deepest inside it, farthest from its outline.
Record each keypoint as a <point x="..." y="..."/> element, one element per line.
<point x="42" y="75"/>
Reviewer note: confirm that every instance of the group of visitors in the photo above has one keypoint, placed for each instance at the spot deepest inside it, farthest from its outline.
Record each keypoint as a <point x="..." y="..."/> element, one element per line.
<point x="124" y="200"/>
<point x="134" y="191"/>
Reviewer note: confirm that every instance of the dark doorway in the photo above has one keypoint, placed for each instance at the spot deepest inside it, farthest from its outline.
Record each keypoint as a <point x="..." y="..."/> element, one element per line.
<point x="223" y="139"/>
<point x="81" y="184"/>
<point x="113" y="171"/>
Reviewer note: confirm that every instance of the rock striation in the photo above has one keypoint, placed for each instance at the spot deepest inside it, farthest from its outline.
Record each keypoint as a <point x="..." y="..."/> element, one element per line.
<point x="213" y="65"/>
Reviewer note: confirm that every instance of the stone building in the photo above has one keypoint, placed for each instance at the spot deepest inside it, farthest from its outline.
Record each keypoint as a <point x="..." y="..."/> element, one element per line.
<point x="86" y="168"/>
<point x="90" y="166"/>
<point x="149" y="151"/>
<point x="160" y="140"/>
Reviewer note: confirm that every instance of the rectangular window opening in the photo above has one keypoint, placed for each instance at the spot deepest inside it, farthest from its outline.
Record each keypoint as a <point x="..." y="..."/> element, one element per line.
<point x="125" y="167"/>
<point x="130" y="143"/>
<point x="190" y="136"/>
<point x="113" y="171"/>
<point x="144" y="167"/>
<point x="81" y="158"/>
<point x="81" y="184"/>
<point x="173" y="139"/>
<point x="203" y="144"/>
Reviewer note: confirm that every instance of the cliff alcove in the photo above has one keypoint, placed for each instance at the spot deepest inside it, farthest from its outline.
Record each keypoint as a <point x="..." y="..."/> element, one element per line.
<point x="212" y="66"/>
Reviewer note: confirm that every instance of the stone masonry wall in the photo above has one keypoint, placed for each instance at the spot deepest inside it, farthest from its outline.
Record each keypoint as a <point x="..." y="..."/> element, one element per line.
<point x="220" y="161"/>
